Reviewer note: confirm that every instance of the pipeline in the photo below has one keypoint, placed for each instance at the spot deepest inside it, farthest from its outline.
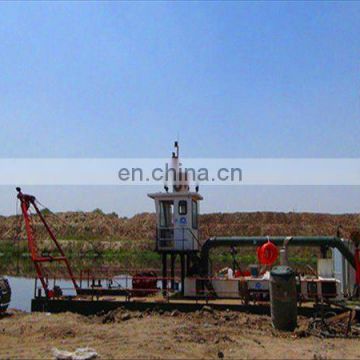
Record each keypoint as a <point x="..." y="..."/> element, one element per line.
<point x="314" y="241"/>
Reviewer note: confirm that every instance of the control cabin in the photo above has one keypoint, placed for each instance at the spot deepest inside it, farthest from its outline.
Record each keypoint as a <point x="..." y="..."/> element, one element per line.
<point x="177" y="221"/>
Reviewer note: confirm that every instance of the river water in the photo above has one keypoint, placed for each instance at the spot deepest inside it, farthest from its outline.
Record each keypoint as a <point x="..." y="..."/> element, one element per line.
<point x="22" y="291"/>
<point x="23" y="288"/>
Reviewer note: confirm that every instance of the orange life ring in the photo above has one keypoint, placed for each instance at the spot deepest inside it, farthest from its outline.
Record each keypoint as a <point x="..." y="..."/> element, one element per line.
<point x="267" y="253"/>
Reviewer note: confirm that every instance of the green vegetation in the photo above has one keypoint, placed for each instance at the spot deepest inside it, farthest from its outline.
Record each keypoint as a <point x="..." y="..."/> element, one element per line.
<point x="14" y="256"/>
<point x="15" y="259"/>
<point x="98" y="212"/>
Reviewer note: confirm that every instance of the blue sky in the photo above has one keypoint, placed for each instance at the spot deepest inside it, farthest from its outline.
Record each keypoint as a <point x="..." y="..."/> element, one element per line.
<point x="230" y="79"/>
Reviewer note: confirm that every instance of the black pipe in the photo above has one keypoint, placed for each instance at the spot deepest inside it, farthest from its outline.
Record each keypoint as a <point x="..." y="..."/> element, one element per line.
<point x="320" y="241"/>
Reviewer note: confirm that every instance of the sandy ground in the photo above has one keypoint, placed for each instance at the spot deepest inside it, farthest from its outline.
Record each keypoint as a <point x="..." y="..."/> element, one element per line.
<point x="130" y="335"/>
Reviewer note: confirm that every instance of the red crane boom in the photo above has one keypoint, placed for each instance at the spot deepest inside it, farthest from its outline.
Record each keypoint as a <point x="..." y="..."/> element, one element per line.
<point x="26" y="202"/>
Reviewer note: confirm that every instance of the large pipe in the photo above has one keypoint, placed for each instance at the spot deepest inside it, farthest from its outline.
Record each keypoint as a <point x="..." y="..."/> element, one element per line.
<point x="319" y="241"/>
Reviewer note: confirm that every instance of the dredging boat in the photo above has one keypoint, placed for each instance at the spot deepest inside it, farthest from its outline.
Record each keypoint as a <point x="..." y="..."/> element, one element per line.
<point x="336" y="278"/>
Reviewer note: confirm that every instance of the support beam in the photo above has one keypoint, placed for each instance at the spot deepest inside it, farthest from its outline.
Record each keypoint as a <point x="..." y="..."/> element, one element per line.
<point x="164" y="273"/>
<point x="188" y="264"/>
<point x="182" y="260"/>
<point x="172" y="270"/>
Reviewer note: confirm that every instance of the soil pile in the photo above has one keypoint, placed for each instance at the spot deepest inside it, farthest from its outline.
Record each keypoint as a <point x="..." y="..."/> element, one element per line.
<point x="204" y="334"/>
<point x="141" y="228"/>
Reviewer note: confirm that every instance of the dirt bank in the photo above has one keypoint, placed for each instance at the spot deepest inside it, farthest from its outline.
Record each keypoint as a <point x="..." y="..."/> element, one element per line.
<point x="152" y="335"/>
<point x="139" y="230"/>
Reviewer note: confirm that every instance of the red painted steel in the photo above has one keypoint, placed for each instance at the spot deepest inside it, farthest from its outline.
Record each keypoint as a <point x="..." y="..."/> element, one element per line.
<point x="28" y="201"/>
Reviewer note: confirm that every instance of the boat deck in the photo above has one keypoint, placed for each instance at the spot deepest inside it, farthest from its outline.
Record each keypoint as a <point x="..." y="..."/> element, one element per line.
<point x="93" y="305"/>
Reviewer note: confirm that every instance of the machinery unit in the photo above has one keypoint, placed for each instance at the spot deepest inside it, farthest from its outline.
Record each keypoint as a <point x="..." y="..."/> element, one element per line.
<point x="258" y="288"/>
<point x="324" y="286"/>
<point x="315" y="289"/>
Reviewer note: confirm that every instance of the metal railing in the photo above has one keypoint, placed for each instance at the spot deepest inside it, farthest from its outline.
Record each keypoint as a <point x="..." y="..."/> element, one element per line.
<point x="122" y="287"/>
<point x="119" y="285"/>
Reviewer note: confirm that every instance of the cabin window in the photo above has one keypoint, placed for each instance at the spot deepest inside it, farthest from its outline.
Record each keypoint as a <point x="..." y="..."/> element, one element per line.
<point x="166" y="213"/>
<point x="194" y="214"/>
<point x="182" y="208"/>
